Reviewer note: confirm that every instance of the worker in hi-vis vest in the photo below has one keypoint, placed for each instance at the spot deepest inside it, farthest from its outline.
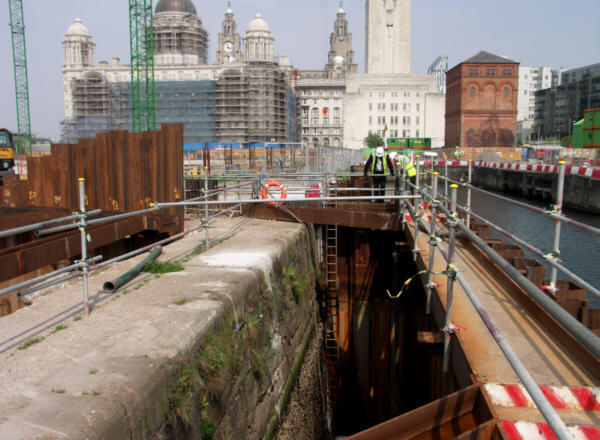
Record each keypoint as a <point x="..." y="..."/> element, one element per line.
<point x="408" y="170"/>
<point x="379" y="166"/>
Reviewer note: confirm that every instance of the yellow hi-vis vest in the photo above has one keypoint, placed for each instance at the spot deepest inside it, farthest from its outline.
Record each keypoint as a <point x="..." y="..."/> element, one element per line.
<point x="384" y="158"/>
<point x="409" y="167"/>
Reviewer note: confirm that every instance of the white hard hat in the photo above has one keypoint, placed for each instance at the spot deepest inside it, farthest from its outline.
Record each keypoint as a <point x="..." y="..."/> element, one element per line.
<point x="393" y="154"/>
<point x="379" y="151"/>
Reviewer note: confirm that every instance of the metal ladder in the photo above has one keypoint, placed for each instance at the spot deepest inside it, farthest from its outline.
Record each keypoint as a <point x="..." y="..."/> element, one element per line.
<point x="332" y="324"/>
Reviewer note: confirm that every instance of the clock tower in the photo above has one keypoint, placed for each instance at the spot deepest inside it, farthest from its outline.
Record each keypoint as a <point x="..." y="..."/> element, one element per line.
<point x="230" y="44"/>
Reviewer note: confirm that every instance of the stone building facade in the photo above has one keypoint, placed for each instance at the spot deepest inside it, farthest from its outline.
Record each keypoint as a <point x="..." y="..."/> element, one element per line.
<point x="388" y="36"/>
<point x="481" y="102"/>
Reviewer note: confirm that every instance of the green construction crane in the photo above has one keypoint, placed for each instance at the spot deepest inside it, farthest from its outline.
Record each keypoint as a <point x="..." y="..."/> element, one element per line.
<point x="17" y="31"/>
<point x="141" y="43"/>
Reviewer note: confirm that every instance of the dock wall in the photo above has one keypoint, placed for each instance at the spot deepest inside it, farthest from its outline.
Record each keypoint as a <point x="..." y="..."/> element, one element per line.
<point x="207" y="352"/>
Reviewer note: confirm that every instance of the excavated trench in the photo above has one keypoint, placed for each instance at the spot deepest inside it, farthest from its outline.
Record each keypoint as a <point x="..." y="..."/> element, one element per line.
<point x="382" y="370"/>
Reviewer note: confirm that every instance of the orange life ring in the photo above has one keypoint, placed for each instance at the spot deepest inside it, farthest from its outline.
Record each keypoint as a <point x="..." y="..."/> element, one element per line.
<point x="265" y="189"/>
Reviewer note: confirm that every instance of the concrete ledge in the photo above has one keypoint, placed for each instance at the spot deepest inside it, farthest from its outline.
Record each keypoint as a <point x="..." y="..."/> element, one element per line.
<point x="108" y="375"/>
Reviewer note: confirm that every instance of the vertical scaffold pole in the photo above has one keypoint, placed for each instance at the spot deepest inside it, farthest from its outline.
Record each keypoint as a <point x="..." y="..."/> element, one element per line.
<point x="418" y="179"/>
<point x="82" y="229"/>
<point x="416" y="220"/>
<point x="402" y="202"/>
<point x="451" y="273"/>
<point x="557" y="224"/>
<point x="446" y="178"/>
<point x="432" y="241"/>
<point x="470" y="174"/>
<point x="206" y="208"/>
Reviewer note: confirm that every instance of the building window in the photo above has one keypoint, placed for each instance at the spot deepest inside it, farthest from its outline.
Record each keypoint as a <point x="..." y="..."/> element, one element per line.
<point x="418" y="107"/>
<point x="505" y="91"/>
<point x="490" y="72"/>
<point x="370" y="120"/>
<point x="472" y="91"/>
<point x="315" y="111"/>
<point x="370" y="106"/>
<point x="336" y="111"/>
<point x="417" y="133"/>
<point x="305" y="111"/>
<point x="336" y="121"/>
<point x="180" y="76"/>
<point x="305" y="121"/>
<point x="417" y="121"/>
<point x="315" y="121"/>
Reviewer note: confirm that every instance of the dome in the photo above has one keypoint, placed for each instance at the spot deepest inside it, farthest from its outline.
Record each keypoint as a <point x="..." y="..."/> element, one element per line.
<point x="176" y="6"/>
<point x="258" y="25"/>
<point x="284" y="61"/>
<point x="78" y="29"/>
<point x="338" y="60"/>
<point x="341" y="11"/>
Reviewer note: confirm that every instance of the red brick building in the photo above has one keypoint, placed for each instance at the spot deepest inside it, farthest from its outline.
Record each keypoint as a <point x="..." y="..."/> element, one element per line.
<point x="481" y="102"/>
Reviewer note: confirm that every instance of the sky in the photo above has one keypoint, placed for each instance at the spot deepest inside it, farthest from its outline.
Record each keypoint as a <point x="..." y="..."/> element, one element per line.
<point x="551" y="33"/>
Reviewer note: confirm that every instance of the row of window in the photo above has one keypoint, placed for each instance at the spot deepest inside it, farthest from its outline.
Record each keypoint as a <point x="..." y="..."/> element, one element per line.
<point x="315" y="121"/>
<point x="314" y="130"/>
<point x="315" y="111"/>
<point x="394" y="120"/>
<point x="396" y="133"/>
<point x="381" y="107"/>
<point x="323" y="101"/>
<point x="383" y="94"/>
<point x="490" y="72"/>
<point x="320" y="92"/>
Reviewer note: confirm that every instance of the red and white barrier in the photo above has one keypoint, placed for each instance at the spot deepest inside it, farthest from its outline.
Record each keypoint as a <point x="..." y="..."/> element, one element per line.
<point x="571" y="398"/>
<point x="541" y="431"/>
<point x="594" y="173"/>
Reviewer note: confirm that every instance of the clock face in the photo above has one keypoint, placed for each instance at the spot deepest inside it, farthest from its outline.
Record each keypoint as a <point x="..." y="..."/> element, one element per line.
<point x="228" y="46"/>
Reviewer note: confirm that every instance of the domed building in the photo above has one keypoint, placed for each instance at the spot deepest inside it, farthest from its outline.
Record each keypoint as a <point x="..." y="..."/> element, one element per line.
<point x="209" y="100"/>
<point x="179" y="38"/>
<point x="259" y="44"/>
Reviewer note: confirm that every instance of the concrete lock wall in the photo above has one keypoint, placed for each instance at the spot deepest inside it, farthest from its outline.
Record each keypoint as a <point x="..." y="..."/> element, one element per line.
<point x="580" y="192"/>
<point x="208" y="352"/>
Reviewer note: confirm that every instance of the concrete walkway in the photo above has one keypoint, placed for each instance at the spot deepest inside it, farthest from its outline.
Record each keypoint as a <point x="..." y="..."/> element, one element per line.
<point x="87" y="377"/>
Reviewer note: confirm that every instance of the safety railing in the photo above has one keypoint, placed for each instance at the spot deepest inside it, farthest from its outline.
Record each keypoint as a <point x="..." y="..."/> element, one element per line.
<point x="449" y="207"/>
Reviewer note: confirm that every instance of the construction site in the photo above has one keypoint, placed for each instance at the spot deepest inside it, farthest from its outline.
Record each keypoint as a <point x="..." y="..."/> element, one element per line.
<point x="250" y="286"/>
<point x="290" y="296"/>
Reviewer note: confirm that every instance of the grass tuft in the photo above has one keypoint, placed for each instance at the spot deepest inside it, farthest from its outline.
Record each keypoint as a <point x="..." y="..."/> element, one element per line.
<point x="158" y="267"/>
<point x="31" y="342"/>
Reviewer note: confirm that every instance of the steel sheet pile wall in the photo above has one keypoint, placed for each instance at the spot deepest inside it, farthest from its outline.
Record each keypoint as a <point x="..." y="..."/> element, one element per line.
<point x="123" y="172"/>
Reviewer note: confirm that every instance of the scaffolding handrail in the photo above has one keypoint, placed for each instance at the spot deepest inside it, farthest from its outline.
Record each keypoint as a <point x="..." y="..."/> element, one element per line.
<point x="575" y="328"/>
<point x="35" y="226"/>
<point x="35" y="280"/>
<point x="548" y="412"/>
<point x="549" y="213"/>
<point x="547" y="258"/>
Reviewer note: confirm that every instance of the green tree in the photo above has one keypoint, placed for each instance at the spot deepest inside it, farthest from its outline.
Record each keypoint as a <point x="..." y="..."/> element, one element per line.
<point x="566" y="141"/>
<point x="373" y="140"/>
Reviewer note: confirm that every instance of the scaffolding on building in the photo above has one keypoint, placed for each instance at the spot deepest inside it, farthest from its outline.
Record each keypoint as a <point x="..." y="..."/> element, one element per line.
<point x="252" y="105"/>
<point x="100" y="106"/>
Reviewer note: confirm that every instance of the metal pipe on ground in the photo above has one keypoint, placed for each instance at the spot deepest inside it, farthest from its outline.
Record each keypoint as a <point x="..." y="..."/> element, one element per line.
<point x="548" y="412"/>
<point x="113" y="286"/>
<point x="576" y="328"/>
